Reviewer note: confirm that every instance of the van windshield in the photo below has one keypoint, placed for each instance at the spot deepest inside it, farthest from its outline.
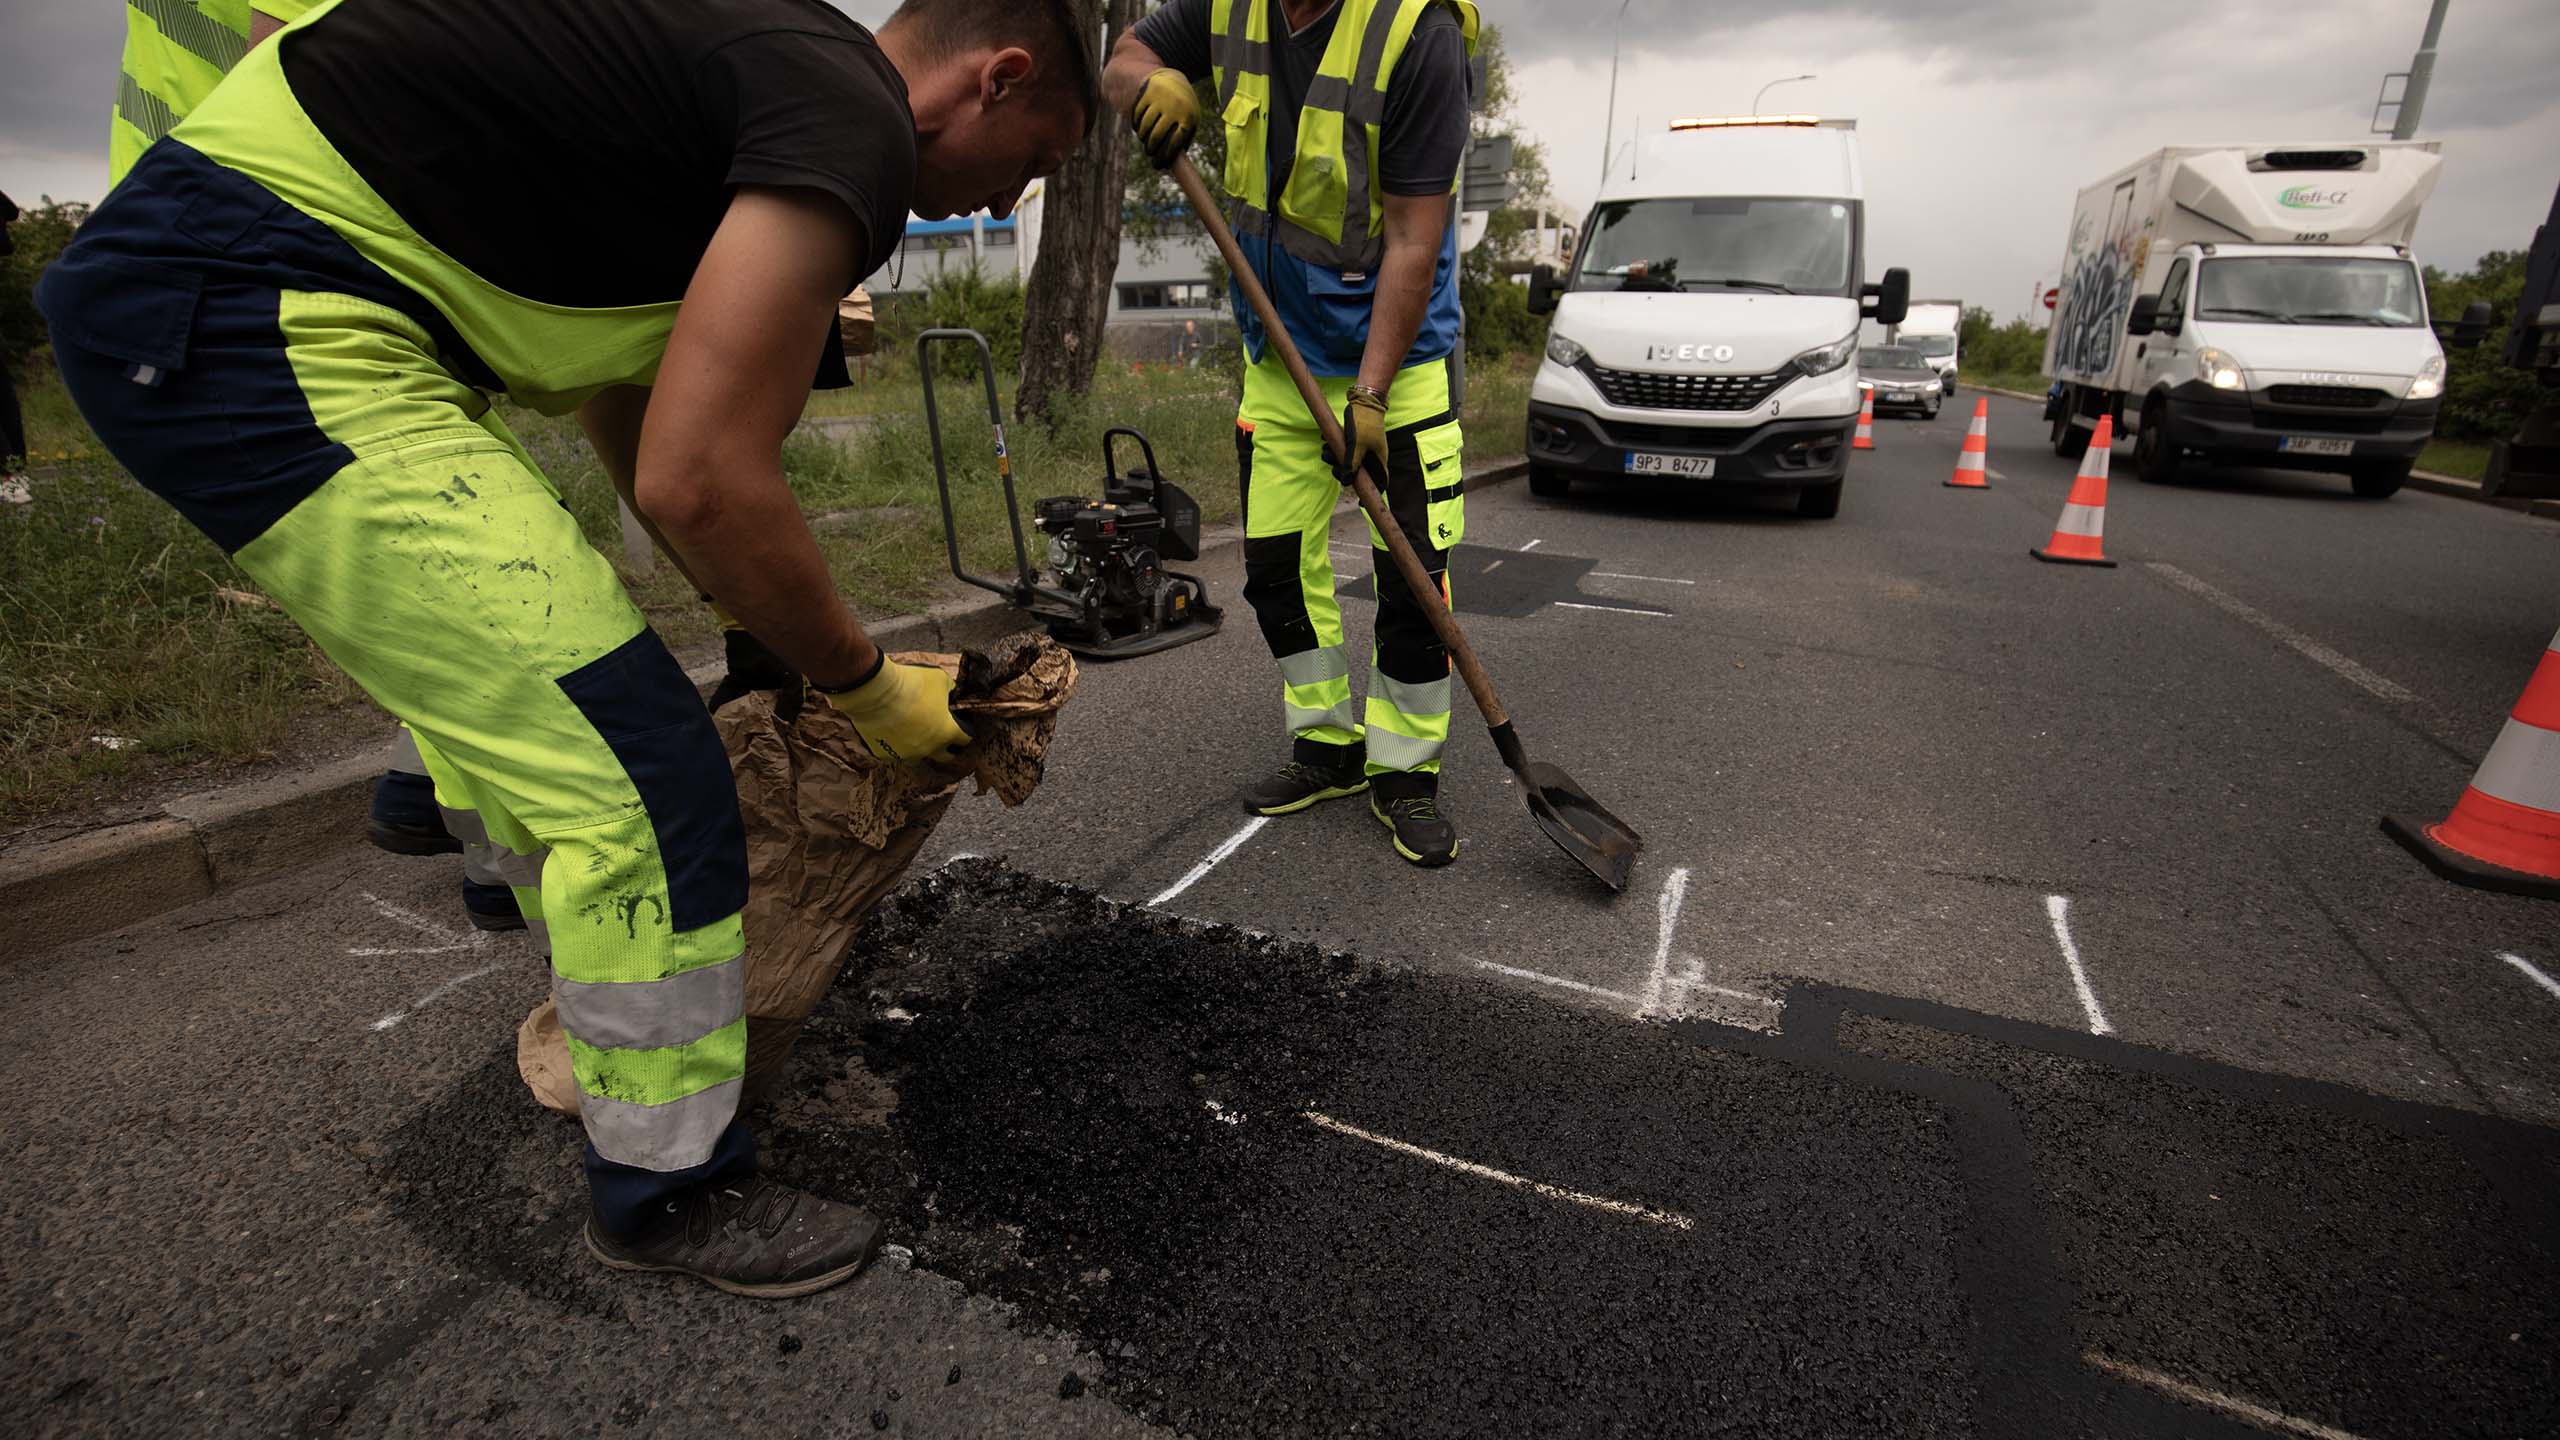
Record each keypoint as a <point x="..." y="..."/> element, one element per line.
<point x="2310" y="290"/>
<point x="1931" y="344"/>
<point x="1721" y="242"/>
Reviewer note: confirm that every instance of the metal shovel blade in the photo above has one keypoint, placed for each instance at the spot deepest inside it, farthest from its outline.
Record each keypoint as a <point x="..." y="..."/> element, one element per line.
<point x="1581" y="826"/>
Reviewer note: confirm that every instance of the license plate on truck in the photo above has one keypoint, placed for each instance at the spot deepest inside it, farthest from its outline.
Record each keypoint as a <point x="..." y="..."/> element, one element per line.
<point x="2315" y="445"/>
<point x="1696" y="467"/>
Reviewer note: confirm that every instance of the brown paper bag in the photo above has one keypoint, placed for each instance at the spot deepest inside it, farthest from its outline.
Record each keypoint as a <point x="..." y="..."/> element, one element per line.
<point x="831" y="831"/>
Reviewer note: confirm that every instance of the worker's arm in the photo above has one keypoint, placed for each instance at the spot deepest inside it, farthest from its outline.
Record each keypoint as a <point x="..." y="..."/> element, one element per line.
<point x="1132" y="61"/>
<point x="707" y="472"/>
<point x="1416" y="225"/>
<point x="612" y="420"/>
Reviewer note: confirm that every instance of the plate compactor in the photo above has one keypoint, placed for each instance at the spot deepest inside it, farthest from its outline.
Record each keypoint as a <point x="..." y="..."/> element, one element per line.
<point x="1109" y="595"/>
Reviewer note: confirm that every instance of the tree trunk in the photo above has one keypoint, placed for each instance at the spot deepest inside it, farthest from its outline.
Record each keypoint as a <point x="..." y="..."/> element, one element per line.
<point x="1070" y="294"/>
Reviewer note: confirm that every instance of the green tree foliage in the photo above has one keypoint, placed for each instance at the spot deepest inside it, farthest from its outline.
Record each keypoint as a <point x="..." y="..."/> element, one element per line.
<point x="1497" y="305"/>
<point x="2483" y="398"/>
<point x="1989" y="350"/>
<point x="962" y="298"/>
<point x="39" y="235"/>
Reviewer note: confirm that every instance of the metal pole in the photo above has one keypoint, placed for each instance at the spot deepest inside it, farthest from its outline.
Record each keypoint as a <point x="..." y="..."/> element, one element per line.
<point x="1790" y="80"/>
<point x="2413" y="98"/>
<point x="1609" y="125"/>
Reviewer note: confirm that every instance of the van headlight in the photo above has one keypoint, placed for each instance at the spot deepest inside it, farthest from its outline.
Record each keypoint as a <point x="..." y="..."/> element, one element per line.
<point x="2217" y="369"/>
<point x="1824" y="359"/>
<point x="2430" y="381"/>
<point x="1563" y="351"/>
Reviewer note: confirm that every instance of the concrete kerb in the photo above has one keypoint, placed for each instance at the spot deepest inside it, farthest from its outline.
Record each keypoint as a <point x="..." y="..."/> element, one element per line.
<point x="2428" y="480"/>
<point x="96" y="880"/>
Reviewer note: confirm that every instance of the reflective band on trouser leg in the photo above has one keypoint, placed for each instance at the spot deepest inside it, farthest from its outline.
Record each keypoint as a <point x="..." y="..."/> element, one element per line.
<point x="405" y="757"/>
<point x="1289" y="495"/>
<point x="1408" y="724"/>
<point x="446" y="577"/>
<point x="1315" y="694"/>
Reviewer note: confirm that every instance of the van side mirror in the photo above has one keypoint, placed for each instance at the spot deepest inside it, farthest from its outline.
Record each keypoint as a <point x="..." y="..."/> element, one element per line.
<point x="2145" y="317"/>
<point x="1544" y="287"/>
<point x="1889" y="302"/>
<point x="2473" y="327"/>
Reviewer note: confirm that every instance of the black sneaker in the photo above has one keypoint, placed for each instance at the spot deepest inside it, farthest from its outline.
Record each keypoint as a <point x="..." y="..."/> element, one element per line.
<point x="749" y="1237"/>
<point x="1409" y="806"/>
<point x="491" y="907"/>
<point x="405" y="820"/>
<point x="1316" y="771"/>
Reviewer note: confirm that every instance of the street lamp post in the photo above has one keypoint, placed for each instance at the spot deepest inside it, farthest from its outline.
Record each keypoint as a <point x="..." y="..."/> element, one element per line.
<point x="1609" y="125"/>
<point x="1774" y="84"/>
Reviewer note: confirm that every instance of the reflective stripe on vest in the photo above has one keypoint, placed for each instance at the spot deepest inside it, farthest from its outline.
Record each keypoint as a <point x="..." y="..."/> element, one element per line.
<point x="1330" y="213"/>
<point x="175" y="52"/>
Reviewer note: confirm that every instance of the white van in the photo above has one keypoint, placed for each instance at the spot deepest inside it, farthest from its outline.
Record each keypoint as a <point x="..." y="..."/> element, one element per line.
<point x="1932" y="327"/>
<point x="1708" y="328"/>
<point x="2254" y="305"/>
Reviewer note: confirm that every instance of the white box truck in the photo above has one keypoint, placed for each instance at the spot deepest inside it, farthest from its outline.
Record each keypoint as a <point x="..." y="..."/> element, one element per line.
<point x="1707" y="328"/>
<point x="2252" y="305"/>
<point x="1932" y="328"/>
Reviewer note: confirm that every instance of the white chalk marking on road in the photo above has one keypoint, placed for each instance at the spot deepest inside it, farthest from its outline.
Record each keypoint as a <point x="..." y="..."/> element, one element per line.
<point x="2531" y="972"/>
<point x="1226" y="848"/>
<point x="446" y="941"/>
<point x="1487" y="1172"/>
<point x="1561" y="983"/>
<point x="1615" y="609"/>
<point x="1648" y="579"/>
<point x="1993" y="474"/>
<point x="2232" y="1405"/>
<point x="1534" y="544"/>
<point x="2057" y="908"/>
<point x="2310" y="649"/>
<point x="422" y="1002"/>
<point x="1675" y="893"/>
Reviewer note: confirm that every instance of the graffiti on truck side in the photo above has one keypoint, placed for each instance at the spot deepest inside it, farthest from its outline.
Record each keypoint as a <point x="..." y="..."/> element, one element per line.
<point x="2097" y="288"/>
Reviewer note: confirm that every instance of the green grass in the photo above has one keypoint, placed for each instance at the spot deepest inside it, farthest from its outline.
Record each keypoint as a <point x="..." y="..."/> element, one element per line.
<point x="2025" y="383"/>
<point x="114" y="620"/>
<point x="2468" y="459"/>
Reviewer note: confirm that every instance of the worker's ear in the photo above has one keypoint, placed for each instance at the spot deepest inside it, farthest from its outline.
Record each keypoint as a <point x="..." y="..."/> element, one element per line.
<point x="1004" y="76"/>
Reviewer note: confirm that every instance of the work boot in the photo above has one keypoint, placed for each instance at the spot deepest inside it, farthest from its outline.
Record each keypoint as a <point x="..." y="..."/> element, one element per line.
<point x="1408" y="804"/>
<point x="405" y="819"/>
<point x="491" y="907"/>
<point x="748" y="1236"/>
<point x="1316" y="771"/>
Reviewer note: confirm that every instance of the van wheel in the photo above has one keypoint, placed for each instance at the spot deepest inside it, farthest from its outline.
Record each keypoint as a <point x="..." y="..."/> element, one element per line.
<point x="2069" y="441"/>
<point x="2154" y="458"/>
<point x="1819" y="502"/>
<point x="1549" y="483"/>
<point x="2381" y="482"/>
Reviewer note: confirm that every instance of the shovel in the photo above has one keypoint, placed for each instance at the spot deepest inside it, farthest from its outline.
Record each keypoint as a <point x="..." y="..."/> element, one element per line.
<point x="1581" y="826"/>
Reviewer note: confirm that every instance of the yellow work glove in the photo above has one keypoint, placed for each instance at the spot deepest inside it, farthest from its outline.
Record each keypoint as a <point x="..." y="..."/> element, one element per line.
<point x="1364" y="429"/>
<point x="903" y="713"/>
<point x="1166" y="114"/>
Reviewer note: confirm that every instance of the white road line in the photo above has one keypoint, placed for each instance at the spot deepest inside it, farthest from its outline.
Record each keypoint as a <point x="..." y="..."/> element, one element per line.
<point x="377" y="951"/>
<point x="2057" y="908"/>
<point x="1612" y="609"/>
<point x="1228" y="847"/>
<point x="422" y="1002"/>
<point x="1675" y="893"/>
<point x="2232" y="1405"/>
<point x="1648" y="579"/>
<point x="1534" y="544"/>
<point x="1487" y="1172"/>
<point x="2310" y="649"/>
<point x="1992" y="474"/>
<point x="2531" y="972"/>
<point x="1558" y="981"/>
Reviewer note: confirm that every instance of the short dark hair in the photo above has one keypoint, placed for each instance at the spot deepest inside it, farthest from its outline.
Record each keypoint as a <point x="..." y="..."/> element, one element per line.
<point x="1048" y="29"/>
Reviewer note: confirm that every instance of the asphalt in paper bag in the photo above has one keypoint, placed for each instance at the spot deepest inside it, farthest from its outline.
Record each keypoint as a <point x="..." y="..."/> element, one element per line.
<point x="831" y="831"/>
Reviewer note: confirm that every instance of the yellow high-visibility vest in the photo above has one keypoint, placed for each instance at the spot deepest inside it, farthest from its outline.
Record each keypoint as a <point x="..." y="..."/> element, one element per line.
<point x="175" y="52"/>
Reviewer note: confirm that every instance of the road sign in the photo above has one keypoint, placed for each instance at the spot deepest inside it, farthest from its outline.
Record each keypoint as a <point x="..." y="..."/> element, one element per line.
<point x="1488" y="174"/>
<point x="2051" y="296"/>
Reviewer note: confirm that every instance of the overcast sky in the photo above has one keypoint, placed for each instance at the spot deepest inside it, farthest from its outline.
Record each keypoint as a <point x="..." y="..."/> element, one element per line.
<point x="1981" y="118"/>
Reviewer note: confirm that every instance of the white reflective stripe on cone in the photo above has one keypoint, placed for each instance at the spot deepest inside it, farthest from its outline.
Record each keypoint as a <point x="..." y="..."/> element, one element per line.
<point x="1969" y="460"/>
<point x="2523" y="768"/>
<point x="673" y="1136"/>
<point x="653" y="1014"/>
<point x="2086" y="520"/>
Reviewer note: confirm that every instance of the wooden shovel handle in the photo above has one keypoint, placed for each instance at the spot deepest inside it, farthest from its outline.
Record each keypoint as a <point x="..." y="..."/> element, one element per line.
<point x="1416" y="579"/>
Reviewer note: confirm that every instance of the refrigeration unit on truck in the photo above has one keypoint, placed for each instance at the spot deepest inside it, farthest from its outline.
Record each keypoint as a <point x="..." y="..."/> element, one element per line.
<point x="1707" y="327"/>
<point x="2253" y="305"/>
<point x="1931" y="327"/>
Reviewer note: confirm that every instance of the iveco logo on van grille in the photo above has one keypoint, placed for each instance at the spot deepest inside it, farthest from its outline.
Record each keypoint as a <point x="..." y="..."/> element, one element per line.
<point x="1721" y="354"/>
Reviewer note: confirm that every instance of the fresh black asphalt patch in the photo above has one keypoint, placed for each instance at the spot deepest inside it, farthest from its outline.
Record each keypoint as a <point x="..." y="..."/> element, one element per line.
<point x="1900" y="1219"/>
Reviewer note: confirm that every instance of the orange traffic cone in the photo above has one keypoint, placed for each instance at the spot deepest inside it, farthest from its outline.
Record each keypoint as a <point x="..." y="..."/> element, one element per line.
<point x="1865" y="439"/>
<point x="2084" y="515"/>
<point x="1977" y="449"/>
<point x="2504" y="833"/>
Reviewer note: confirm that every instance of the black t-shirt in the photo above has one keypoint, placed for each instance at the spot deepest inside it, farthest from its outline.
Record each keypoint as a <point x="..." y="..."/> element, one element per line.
<point x="582" y="152"/>
<point x="1424" y="135"/>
